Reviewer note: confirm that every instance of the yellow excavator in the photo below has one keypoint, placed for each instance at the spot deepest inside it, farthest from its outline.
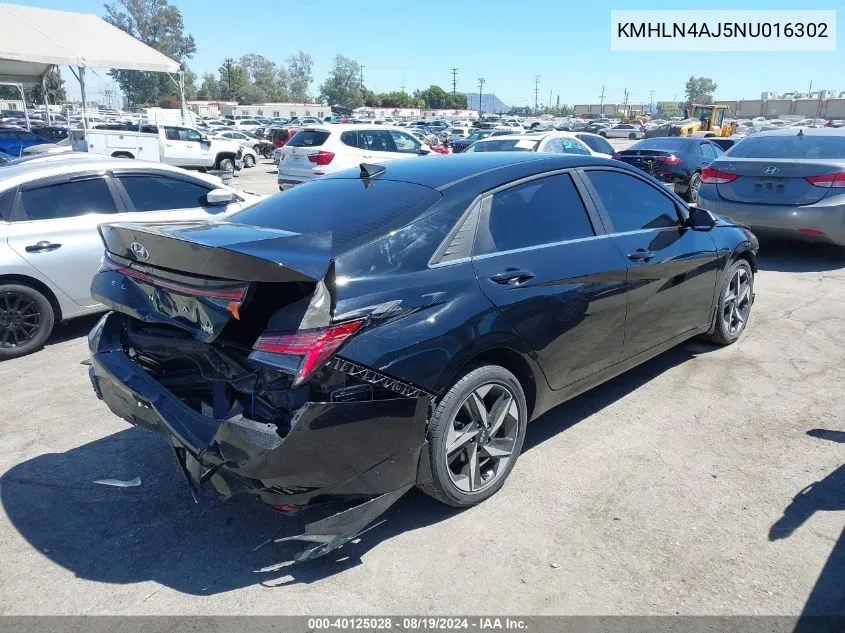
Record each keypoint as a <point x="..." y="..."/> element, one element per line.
<point x="705" y="120"/>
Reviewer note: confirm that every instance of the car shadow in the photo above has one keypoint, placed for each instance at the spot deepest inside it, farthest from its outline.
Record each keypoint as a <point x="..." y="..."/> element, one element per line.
<point x="581" y="407"/>
<point x="799" y="257"/>
<point x="75" y="328"/>
<point x="154" y="531"/>
<point x="827" y="597"/>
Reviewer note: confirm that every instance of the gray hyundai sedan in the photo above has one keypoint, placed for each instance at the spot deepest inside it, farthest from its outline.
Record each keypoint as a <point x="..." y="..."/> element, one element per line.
<point x="787" y="184"/>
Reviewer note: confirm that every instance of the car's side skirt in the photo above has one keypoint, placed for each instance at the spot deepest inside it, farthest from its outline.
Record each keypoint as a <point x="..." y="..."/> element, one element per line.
<point x="554" y="398"/>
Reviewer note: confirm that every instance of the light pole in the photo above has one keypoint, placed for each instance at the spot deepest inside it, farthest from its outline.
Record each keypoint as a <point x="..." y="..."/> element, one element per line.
<point x="480" y="87"/>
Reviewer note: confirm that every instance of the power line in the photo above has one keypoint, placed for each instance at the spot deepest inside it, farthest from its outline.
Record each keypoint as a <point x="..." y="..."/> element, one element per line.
<point x="454" y="80"/>
<point x="536" y="91"/>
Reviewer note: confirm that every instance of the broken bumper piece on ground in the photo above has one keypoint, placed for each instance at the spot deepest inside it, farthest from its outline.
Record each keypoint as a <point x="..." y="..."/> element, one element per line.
<point x="334" y="451"/>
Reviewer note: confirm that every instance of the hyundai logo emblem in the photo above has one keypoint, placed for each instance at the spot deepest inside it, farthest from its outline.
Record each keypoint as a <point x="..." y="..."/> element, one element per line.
<point x="139" y="251"/>
<point x="770" y="170"/>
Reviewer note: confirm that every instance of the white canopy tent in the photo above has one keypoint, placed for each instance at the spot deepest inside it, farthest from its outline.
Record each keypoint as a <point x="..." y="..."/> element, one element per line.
<point x="33" y="40"/>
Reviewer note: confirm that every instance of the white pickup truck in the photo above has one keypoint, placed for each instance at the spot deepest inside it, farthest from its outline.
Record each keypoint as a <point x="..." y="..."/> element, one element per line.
<point x="171" y="144"/>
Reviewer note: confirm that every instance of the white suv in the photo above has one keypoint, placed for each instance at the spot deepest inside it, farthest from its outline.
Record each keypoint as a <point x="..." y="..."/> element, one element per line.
<point x="319" y="150"/>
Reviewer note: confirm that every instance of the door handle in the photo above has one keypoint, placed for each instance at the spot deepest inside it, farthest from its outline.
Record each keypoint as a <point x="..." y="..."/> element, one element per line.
<point x="42" y="247"/>
<point x="512" y="277"/>
<point x="641" y="255"/>
<point x="168" y="144"/>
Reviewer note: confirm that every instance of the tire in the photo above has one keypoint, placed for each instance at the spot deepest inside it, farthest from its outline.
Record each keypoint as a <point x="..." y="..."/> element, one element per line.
<point x="122" y="155"/>
<point x="691" y="194"/>
<point x="603" y="134"/>
<point x="26" y="320"/>
<point x="249" y="161"/>
<point x="455" y="421"/>
<point x="632" y="136"/>
<point x="226" y="164"/>
<point x="726" y="328"/>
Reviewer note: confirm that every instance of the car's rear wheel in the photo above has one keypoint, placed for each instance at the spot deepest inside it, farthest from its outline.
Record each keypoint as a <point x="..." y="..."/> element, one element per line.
<point x="692" y="190"/>
<point x="735" y="301"/>
<point x="475" y="436"/>
<point x="26" y="320"/>
<point x="226" y="164"/>
<point x="603" y="134"/>
<point x="632" y="136"/>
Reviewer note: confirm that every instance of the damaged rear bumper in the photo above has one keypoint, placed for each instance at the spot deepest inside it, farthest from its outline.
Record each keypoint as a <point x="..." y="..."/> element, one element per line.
<point x="363" y="450"/>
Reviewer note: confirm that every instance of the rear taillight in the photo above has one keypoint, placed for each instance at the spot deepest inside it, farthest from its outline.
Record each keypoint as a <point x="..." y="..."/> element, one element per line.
<point x="277" y="143"/>
<point x="669" y="160"/>
<point x="321" y="158"/>
<point x="710" y="176"/>
<point x="617" y="157"/>
<point x="830" y="181"/>
<point x="307" y="349"/>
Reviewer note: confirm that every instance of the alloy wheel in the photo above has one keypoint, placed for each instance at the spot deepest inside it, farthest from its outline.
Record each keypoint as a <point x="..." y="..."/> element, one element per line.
<point x="737" y="303"/>
<point x="481" y="437"/>
<point x="20" y="320"/>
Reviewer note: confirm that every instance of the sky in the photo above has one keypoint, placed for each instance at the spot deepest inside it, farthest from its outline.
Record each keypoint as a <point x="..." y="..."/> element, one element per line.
<point x="566" y="43"/>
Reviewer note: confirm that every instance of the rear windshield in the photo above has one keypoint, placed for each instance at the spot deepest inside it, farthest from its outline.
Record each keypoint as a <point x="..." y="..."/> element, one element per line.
<point x="508" y="145"/>
<point x="793" y="146"/>
<point x="354" y="210"/>
<point x="308" y="138"/>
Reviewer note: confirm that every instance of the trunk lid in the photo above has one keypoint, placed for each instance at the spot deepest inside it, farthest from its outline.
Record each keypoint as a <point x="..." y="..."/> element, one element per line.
<point x="646" y="159"/>
<point x="202" y="276"/>
<point x="776" y="181"/>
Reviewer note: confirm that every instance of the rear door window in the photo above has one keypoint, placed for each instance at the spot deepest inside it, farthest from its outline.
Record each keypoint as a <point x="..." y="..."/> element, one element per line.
<point x="632" y="204"/>
<point x="597" y="144"/>
<point x="161" y="193"/>
<point x="404" y="143"/>
<point x="67" y="200"/>
<point x="541" y="211"/>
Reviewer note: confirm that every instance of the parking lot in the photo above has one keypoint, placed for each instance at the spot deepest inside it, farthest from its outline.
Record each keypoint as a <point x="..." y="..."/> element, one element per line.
<point x="702" y="482"/>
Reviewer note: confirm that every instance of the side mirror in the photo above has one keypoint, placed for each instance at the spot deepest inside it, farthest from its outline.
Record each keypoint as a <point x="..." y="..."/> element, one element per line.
<point x="424" y="149"/>
<point x="217" y="197"/>
<point x="700" y="219"/>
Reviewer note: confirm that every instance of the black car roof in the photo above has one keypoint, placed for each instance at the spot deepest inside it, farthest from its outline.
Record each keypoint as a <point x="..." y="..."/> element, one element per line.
<point x="442" y="172"/>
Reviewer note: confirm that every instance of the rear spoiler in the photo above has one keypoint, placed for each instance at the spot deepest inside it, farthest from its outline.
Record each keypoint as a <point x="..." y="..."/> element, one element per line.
<point x="223" y="250"/>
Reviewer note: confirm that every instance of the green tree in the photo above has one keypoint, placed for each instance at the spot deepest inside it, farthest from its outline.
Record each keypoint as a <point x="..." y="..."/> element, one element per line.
<point x="9" y="92"/>
<point x="299" y="78"/>
<point x="55" y="90"/>
<point x="209" y="88"/>
<point x="159" y="25"/>
<point x="434" y="97"/>
<point x="343" y="85"/>
<point x="190" y="84"/>
<point x="396" y="99"/>
<point x="700" y="90"/>
<point x="233" y="79"/>
<point x="266" y="81"/>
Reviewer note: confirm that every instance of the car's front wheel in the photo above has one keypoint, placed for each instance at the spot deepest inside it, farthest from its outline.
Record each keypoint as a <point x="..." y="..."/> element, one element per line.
<point x="632" y="136"/>
<point x="249" y="161"/>
<point x="735" y="301"/>
<point x="26" y="320"/>
<point x="475" y="436"/>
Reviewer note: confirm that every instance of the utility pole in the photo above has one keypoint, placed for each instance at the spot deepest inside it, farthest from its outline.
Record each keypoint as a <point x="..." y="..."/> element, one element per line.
<point x="403" y="83"/>
<point x="651" y="99"/>
<point x="228" y="61"/>
<point x="361" y="68"/>
<point x="550" y="98"/>
<point x="601" y="100"/>
<point x="480" y="87"/>
<point x="626" y="101"/>
<point x="811" y="88"/>
<point x="557" y="105"/>
<point x="454" y="80"/>
<point x="536" y="91"/>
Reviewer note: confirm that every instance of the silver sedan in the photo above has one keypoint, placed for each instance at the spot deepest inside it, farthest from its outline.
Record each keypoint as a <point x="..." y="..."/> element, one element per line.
<point x="49" y="244"/>
<point x="787" y="183"/>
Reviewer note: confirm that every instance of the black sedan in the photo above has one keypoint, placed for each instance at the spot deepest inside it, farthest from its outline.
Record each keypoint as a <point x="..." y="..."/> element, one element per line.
<point x="676" y="161"/>
<point x="399" y="325"/>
